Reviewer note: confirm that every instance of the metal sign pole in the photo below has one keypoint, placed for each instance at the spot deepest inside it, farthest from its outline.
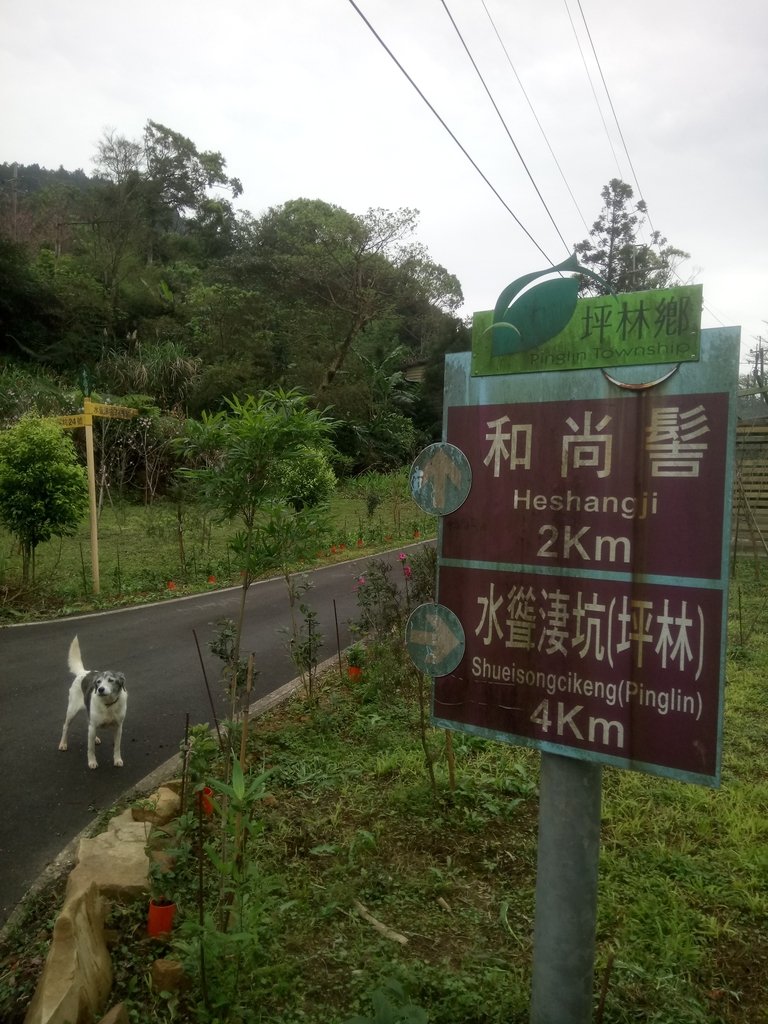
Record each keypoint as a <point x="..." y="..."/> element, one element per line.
<point x="566" y="891"/>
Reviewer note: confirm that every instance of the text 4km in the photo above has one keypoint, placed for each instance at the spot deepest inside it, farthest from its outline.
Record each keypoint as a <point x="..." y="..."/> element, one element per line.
<point x="571" y="723"/>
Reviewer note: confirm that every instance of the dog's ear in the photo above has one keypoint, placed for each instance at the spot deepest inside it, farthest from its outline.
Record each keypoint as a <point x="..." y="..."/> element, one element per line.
<point x="120" y="680"/>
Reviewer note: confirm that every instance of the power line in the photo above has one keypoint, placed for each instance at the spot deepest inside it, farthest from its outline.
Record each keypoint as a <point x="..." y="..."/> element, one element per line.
<point x="613" y="111"/>
<point x="445" y="126"/>
<point x="503" y="122"/>
<point x="535" y="116"/>
<point x="594" y="93"/>
<point x="626" y="150"/>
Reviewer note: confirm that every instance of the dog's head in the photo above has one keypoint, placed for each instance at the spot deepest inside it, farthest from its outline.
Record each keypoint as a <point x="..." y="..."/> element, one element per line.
<point x="107" y="685"/>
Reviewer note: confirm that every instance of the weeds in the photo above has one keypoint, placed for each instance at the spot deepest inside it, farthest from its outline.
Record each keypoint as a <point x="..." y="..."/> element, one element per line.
<point x="362" y="811"/>
<point x="132" y="537"/>
<point x="354" y="818"/>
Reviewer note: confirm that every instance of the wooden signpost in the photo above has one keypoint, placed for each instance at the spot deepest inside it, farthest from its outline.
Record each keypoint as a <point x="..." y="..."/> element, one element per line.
<point x="85" y="419"/>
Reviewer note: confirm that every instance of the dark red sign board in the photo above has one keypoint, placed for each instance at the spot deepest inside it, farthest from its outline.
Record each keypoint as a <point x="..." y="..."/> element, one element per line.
<point x="604" y="485"/>
<point x="586" y="567"/>
<point x="629" y="671"/>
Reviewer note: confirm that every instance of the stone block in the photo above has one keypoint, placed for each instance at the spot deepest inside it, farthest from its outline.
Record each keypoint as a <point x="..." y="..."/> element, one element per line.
<point x="167" y="976"/>
<point x="162" y="807"/>
<point x="116" y="861"/>
<point x="117" y="1015"/>
<point x="77" y="976"/>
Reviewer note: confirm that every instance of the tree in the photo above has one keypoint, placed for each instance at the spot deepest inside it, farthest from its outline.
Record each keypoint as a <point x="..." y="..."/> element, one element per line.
<point x="152" y="201"/>
<point x="332" y="274"/>
<point x="238" y="460"/>
<point x="225" y="321"/>
<point x="82" y="310"/>
<point x="181" y="172"/>
<point x="118" y="159"/>
<point x="148" y="276"/>
<point x="29" y="307"/>
<point x="613" y="251"/>
<point x="377" y="431"/>
<point x="43" y="488"/>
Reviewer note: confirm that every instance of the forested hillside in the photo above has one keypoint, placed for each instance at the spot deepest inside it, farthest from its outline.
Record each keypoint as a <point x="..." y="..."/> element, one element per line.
<point x="143" y="279"/>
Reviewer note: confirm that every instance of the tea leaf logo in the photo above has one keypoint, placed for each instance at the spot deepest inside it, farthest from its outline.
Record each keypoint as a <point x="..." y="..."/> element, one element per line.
<point x="525" y="317"/>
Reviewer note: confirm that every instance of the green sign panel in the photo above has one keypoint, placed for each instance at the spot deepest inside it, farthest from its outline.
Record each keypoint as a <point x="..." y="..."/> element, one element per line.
<point x="632" y="329"/>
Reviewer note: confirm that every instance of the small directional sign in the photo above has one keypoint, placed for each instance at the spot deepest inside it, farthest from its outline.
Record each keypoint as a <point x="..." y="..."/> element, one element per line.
<point x="440" y="479"/>
<point x="112" y="412"/>
<point x="434" y="637"/>
<point x="73" y="422"/>
<point x="85" y="419"/>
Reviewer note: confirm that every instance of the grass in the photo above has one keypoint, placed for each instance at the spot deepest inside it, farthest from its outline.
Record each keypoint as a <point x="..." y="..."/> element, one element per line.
<point x="352" y="829"/>
<point x="149" y="553"/>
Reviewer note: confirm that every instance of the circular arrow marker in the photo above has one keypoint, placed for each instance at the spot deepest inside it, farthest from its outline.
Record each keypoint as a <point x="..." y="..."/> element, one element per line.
<point x="434" y="637"/>
<point x="440" y="479"/>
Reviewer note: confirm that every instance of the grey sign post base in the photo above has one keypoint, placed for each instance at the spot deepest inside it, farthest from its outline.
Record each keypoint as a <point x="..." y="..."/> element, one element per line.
<point x="566" y="891"/>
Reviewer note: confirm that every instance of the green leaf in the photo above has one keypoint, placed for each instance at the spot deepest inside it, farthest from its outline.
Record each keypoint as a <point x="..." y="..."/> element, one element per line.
<point x="238" y="781"/>
<point x="324" y="849"/>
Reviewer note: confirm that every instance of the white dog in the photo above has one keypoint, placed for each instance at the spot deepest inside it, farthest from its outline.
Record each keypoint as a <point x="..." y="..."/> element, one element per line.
<point x="103" y="697"/>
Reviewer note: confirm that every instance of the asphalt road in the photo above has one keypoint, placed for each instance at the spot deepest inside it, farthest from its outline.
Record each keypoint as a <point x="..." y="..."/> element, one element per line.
<point x="51" y="796"/>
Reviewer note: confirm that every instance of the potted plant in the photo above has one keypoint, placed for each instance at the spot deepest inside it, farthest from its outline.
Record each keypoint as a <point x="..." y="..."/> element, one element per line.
<point x="160" y="917"/>
<point x="162" y="877"/>
<point x="355" y="659"/>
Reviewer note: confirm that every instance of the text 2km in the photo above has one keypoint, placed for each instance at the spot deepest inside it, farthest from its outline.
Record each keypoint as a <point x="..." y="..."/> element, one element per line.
<point x="570" y="543"/>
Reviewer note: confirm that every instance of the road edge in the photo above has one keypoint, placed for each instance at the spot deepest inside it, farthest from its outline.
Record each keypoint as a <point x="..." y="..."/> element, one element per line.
<point x="66" y="859"/>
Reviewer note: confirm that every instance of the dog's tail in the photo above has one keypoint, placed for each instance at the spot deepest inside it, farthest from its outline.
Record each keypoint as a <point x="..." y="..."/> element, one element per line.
<point x="75" y="662"/>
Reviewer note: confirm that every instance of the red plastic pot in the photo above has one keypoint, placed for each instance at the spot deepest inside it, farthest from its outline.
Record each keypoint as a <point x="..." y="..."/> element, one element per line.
<point x="160" y="917"/>
<point x="205" y="797"/>
<point x="354" y="671"/>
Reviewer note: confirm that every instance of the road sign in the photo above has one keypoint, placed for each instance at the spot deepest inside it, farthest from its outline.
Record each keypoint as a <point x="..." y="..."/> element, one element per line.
<point x="440" y="479"/>
<point x="85" y="419"/>
<point x="112" y="412"/>
<point x="588" y="564"/>
<point x="434" y="638"/>
<point x="636" y="328"/>
<point x="73" y="422"/>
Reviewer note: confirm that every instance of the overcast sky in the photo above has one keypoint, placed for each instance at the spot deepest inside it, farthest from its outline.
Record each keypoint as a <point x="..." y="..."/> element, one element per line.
<point x="302" y="100"/>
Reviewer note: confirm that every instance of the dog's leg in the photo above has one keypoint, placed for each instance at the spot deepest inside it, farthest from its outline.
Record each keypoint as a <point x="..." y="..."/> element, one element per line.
<point x="117" y="758"/>
<point x="92" y="738"/>
<point x="73" y="707"/>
